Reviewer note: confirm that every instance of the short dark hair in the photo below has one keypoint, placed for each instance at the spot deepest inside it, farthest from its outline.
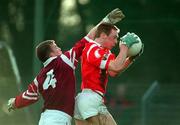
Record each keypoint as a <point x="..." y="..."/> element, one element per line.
<point x="43" y="50"/>
<point x="105" y="28"/>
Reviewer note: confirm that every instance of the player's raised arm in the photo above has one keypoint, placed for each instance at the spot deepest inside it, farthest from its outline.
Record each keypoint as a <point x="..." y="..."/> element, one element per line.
<point x="113" y="17"/>
<point x="74" y="54"/>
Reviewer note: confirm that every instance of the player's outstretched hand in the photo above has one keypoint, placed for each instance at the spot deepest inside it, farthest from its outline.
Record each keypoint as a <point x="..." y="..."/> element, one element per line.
<point x="129" y="39"/>
<point x="114" y="16"/>
<point x="10" y="104"/>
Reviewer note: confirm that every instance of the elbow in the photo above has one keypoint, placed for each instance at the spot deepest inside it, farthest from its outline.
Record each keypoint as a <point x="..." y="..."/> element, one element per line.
<point x="113" y="74"/>
<point x="115" y="68"/>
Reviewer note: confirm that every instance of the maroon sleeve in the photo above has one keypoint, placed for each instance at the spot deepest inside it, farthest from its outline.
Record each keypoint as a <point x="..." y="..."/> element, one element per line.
<point x="78" y="47"/>
<point x="28" y="97"/>
<point x="75" y="52"/>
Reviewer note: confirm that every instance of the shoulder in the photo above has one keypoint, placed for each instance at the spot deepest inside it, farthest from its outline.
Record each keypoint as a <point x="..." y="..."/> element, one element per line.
<point x="92" y="46"/>
<point x="91" y="49"/>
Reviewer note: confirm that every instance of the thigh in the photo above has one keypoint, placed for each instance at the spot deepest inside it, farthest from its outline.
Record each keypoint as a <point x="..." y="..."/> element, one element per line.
<point x="101" y="119"/>
<point x="94" y="120"/>
<point x="106" y="119"/>
<point x="81" y="122"/>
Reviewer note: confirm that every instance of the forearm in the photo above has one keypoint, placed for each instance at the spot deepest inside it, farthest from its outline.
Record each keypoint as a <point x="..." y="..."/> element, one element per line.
<point x="20" y="102"/>
<point x="127" y="63"/>
<point x="92" y="32"/>
<point x="117" y="64"/>
<point x="26" y="98"/>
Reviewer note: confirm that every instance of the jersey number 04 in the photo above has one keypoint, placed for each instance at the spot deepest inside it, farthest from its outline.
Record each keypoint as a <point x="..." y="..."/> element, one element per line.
<point x="50" y="80"/>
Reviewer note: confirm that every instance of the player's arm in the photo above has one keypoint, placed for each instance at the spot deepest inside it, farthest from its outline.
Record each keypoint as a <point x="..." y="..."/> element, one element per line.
<point x="116" y="65"/>
<point x="74" y="54"/>
<point x="113" y="17"/>
<point x="120" y="63"/>
<point x="128" y="62"/>
<point x="132" y="59"/>
<point x="26" y="98"/>
<point x="125" y="65"/>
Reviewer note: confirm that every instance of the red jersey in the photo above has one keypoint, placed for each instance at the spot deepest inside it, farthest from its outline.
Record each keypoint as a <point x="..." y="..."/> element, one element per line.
<point x="95" y="61"/>
<point x="55" y="82"/>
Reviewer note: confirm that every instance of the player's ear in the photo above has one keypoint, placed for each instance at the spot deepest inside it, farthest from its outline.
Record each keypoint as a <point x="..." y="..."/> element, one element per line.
<point x="51" y="54"/>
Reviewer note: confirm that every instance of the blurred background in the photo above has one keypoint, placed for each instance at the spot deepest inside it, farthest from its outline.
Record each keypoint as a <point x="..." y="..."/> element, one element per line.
<point x="147" y="93"/>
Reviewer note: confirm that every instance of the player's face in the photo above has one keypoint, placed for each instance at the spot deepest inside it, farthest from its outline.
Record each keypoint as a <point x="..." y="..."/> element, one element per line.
<point x="111" y="40"/>
<point x="55" y="50"/>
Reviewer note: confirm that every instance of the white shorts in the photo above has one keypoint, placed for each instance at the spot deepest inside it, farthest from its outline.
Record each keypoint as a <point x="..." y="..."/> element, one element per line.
<point x="88" y="103"/>
<point x="54" y="117"/>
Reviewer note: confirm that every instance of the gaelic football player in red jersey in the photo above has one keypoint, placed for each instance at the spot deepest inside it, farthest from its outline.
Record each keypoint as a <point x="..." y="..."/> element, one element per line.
<point x="56" y="80"/>
<point x="97" y="63"/>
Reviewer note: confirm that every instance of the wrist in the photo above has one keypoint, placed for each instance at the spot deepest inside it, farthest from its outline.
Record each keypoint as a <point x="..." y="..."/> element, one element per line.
<point x="14" y="104"/>
<point x="125" y="44"/>
<point x="106" y="20"/>
<point x="123" y="47"/>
